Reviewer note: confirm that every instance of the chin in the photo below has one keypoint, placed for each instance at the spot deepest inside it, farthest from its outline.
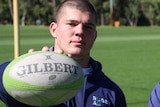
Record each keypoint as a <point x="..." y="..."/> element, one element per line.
<point x="75" y="51"/>
<point x="75" y="54"/>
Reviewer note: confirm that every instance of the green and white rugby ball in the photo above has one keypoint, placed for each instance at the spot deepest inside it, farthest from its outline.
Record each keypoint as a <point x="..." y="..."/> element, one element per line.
<point x="43" y="78"/>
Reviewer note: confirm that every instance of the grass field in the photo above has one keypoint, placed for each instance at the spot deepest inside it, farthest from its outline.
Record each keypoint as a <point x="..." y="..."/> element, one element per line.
<point x="130" y="55"/>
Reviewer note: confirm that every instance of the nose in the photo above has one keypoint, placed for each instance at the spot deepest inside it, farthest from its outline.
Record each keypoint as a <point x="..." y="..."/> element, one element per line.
<point x="79" y="31"/>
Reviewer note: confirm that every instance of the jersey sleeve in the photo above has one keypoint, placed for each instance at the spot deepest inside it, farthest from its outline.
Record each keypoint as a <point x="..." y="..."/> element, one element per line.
<point x="2" y="68"/>
<point x="121" y="101"/>
<point x="154" y="100"/>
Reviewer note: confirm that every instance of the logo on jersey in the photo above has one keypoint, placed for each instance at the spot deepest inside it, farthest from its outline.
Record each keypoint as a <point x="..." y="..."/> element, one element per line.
<point x="99" y="101"/>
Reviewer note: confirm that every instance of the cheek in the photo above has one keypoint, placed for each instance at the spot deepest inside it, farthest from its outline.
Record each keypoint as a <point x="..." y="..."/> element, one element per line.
<point x="64" y="31"/>
<point x="63" y="36"/>
<point x="61" y="32"/>
<point x="91" y="36"/>
<point x="90" y="41"/>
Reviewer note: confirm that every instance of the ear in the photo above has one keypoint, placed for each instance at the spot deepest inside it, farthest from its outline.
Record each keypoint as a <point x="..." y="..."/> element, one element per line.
<point x="52" y="29"/>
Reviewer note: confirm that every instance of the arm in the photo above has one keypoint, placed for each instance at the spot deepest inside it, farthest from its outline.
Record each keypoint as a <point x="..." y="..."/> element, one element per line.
<point x="121" y="101"/>
<point x="154" y="100"/>
<point x="2" y="90"/>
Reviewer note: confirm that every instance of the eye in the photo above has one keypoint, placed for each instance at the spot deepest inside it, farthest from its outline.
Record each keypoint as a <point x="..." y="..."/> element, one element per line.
<point x="89" y="27"/>
<point x="71" y="24"/>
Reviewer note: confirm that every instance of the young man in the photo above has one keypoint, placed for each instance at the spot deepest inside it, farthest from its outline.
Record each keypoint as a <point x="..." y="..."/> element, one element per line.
<point x="74" y="31"/>
<point x="154" y="100"/>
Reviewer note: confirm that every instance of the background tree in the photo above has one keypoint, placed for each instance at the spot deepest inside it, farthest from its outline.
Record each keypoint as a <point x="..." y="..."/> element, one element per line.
<point x="102" y="8"/>
<point x="23" y="7"/>
<point x="132" y="12"/>
<point x="119" y="11"/>
<point x="5" y="12"/>
<point x="42" y="12"/>
<point x="151" y="9"/>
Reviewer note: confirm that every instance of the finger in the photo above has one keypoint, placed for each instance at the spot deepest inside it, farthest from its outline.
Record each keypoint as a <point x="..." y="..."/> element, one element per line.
<point x="31" y="50"/>
<point x="59" y="51"/>
<point x="62" y="52"/>
<point x="69" y="55"/>
<point x="45" y="49"/>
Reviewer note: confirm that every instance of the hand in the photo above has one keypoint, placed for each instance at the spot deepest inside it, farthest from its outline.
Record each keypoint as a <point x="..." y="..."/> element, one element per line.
<point x="44" y="49"/>
<point x="62" y="52"/>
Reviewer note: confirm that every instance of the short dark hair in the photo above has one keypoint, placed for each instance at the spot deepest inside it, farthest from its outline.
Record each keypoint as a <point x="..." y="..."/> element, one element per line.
<point x="82" y="5"/>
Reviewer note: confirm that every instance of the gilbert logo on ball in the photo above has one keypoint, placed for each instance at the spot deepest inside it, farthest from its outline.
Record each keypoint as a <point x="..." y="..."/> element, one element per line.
<point x="43" y="78"/>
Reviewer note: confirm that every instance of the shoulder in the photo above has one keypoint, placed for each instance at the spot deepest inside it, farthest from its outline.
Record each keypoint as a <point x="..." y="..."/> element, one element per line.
<point x="156" y="91"/>
<point x="3" y="93"/>
<point x="106" y="85"/>
<point x="154" y="100"/>
<point x="2" y="68"/>
<point x="111" y="85"/>
<point x="157" y="87"/>
<point x="102" y="80"/>
<point x="118" y="93"/>
<point x="3" y="65"/>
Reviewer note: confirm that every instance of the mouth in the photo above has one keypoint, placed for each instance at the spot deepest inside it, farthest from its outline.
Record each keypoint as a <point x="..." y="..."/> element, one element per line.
<point x="77" y="43"/>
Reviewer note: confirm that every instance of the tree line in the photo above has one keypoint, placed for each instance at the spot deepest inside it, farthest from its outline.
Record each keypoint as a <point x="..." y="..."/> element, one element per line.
<point x="126" y="12"/>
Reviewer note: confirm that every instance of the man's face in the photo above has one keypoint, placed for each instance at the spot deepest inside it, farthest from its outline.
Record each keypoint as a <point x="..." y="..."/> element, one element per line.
<point x="75" y="32"/>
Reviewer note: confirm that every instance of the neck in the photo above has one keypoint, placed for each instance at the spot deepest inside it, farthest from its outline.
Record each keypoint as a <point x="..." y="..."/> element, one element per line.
<point x="83" y="61"/>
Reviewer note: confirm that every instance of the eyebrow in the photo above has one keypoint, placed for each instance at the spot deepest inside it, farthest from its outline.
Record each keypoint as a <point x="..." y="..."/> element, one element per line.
<point x="88" y="23"/>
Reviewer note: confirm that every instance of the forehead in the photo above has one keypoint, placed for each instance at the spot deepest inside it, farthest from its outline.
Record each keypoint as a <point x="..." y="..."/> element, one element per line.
<point x="69" y="13"/>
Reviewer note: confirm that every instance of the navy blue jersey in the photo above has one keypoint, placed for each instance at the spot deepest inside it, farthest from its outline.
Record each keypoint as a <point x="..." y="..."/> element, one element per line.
<point x="154" y="100"/>
<point x="98" y="91"/>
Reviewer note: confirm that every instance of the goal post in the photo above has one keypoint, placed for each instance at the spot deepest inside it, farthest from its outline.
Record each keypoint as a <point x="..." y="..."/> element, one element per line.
<point x="111" y="13"/>
<point x="16" y="29"/>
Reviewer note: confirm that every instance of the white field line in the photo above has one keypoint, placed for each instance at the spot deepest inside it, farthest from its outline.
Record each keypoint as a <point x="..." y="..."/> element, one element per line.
<point x="125" y="38"/>
<point x="99" y="39"/>
<point x="26" y="41"/>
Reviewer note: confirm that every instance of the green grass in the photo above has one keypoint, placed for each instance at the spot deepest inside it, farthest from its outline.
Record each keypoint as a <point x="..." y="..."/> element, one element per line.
<point x="130" y="55"/>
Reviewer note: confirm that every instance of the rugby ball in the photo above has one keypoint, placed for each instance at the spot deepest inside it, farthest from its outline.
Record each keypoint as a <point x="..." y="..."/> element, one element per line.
<point x="43" y="78"/>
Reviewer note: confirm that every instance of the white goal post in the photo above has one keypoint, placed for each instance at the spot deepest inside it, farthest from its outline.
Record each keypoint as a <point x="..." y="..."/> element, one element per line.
<point x="16" y="29"/>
